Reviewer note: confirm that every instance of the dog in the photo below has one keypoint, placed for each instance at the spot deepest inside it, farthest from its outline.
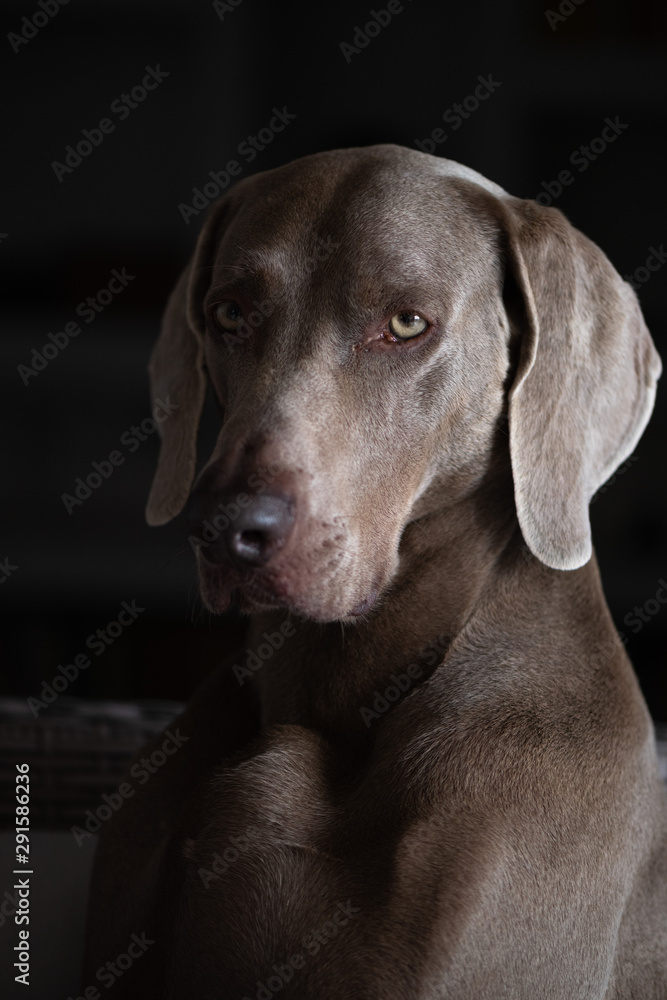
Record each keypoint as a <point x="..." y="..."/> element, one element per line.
<point x="432" y="773"/>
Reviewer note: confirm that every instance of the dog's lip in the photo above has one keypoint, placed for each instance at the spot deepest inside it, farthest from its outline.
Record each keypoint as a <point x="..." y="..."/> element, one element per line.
<point x="264" y="590"/>
<point x="259" y="593"/>
<point x="221" y="579"/>
<point x="213" y="559"/>
<point x="364" y="606"/>
<point x="216" y="587"/>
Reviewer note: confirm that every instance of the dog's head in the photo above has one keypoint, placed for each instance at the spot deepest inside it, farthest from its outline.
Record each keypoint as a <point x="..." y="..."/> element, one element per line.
<point x="355" y="312"/>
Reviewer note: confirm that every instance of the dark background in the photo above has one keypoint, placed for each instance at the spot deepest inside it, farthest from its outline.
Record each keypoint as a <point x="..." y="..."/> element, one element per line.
<point x="119" y="209"/>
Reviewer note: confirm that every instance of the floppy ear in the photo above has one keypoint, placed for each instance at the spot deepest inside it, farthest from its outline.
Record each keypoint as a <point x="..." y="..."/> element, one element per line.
<point x="585" y="382"/>
<point x="176" y="371"/>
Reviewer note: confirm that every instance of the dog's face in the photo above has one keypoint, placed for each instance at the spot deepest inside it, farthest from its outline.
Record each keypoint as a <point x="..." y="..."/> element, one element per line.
<point x="343" y="326"/>
<point x="349" y="310"/>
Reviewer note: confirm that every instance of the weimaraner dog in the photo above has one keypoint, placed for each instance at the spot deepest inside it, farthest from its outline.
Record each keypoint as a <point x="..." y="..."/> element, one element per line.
<point x="431" y="773"/>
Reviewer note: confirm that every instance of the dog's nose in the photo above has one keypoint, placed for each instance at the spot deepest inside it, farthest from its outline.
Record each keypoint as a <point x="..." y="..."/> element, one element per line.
<point x="248" y="530"/>
<point x="261" y="528"/>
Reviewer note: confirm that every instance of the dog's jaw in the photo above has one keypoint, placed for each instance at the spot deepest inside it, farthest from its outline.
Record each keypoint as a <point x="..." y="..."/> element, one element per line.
<point x="255" y="591"/>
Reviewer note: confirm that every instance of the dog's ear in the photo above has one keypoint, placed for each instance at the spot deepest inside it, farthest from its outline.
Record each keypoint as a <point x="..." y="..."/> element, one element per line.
<point x="585" y="381"/>
<point x="178" y="378"/>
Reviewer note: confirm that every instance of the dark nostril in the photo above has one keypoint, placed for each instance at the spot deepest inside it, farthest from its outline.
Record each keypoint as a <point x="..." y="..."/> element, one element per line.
<point x="249" y="545"/>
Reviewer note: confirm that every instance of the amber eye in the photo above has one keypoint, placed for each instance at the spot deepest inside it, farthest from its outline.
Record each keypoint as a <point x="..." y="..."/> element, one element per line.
<point x="406" y="325"/>
<point x="228" y="316"/>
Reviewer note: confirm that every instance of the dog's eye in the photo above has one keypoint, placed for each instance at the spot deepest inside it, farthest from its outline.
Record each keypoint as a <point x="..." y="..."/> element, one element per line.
<point x="406" y="325"/>
<point x="228" y="315"/>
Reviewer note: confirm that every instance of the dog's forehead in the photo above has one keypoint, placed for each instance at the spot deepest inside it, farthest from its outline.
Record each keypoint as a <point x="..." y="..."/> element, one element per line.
<point x="382" y="204"/>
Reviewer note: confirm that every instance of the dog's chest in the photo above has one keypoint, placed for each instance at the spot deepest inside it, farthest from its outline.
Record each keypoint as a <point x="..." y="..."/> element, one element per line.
<point x="279" y="794"/>
<point x="265" y="868"/>
<point x="277" y="802"/>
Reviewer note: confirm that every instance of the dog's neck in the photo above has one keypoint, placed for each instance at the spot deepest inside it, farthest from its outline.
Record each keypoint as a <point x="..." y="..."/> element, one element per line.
<point x="333" y="678"/>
